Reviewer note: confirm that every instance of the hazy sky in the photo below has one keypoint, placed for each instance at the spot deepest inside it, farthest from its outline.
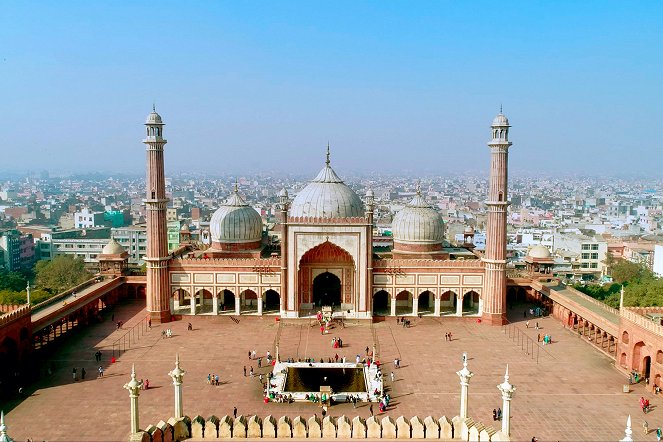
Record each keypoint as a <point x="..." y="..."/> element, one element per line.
<point x="392" y="85"/>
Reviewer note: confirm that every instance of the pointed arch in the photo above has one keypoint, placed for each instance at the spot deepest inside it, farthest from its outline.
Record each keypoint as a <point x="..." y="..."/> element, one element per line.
<point x="272" y="301"/>
<point x="327" y="252"/>
<point x="381" y="303"/>
<point x="248" y="300"/>
<point x="404" y="300"/>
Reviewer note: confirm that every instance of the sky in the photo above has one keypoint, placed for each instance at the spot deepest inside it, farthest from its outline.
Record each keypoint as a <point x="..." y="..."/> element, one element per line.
<point x="394" y="87"/>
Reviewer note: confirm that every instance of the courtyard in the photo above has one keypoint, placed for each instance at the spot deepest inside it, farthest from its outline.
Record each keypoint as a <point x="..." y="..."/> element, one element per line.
<point x="572" y="392"/>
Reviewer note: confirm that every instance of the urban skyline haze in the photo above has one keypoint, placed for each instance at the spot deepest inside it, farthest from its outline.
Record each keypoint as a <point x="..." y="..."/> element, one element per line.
<point x="393" y="86"/>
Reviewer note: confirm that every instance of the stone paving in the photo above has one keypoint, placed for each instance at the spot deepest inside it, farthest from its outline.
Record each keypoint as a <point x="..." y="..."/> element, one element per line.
<point x="572" y="393"/>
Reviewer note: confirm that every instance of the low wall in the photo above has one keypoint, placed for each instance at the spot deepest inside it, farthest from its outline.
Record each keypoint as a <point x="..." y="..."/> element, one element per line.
<point x="315" y="427"/>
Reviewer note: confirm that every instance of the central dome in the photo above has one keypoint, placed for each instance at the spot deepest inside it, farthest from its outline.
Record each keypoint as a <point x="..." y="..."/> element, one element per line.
<point x="327" y="197"/>
<point x="235" y="222"/>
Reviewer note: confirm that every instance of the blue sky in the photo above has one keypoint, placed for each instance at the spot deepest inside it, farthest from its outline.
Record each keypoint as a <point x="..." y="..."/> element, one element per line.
<point x="399" y="87"/>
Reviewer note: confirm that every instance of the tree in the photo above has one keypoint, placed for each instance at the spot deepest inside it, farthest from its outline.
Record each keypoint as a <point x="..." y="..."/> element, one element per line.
<point x="60" y="274"/>
<point x="623" y="271"/>
<point x="13" y="281"/>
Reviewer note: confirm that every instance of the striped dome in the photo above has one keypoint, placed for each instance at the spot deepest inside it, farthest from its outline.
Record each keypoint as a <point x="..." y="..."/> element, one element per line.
<point x="418" y="223"/>
<point x="327" y="196"/>
<point x="236" y="222"/>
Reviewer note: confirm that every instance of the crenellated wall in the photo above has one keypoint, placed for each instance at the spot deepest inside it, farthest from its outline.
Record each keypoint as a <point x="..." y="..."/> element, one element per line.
<point x="315" y="427"/>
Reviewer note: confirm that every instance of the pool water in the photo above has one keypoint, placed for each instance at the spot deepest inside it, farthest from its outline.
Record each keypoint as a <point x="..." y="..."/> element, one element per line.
<point x="310" y="379"/>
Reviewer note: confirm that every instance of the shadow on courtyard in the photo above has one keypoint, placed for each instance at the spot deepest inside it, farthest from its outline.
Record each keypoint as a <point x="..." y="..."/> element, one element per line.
<point x="53" y="365"/>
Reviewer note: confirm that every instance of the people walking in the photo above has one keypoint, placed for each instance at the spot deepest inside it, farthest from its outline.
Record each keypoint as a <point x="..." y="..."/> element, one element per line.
<point x="391" y="375"/>
<point x="73" y="372"/>
<point x="101" y="371"/>
<point x="235" y="412"/>
<point x="83" y="373"/>
<point x="245" y="371"/>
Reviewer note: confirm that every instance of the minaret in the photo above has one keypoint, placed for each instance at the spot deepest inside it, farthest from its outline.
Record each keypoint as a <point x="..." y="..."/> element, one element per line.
<point x="370" y="207"/>
<point x="495" y="257"/>
<point x="156" y="258"/>
<point x="283" y="207"/>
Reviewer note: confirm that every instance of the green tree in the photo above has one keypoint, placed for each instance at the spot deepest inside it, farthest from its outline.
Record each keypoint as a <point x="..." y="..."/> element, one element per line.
<point x="13" y="281"/>
<point x="60" y="274"/>
<point x="623" y="271"/>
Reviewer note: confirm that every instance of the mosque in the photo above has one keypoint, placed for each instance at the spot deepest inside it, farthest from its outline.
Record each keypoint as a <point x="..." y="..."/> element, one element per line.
<point x="326" y="255"/>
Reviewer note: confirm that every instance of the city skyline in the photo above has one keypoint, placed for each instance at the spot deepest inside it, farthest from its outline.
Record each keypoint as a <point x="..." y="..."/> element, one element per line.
<point x="393" y="88"/>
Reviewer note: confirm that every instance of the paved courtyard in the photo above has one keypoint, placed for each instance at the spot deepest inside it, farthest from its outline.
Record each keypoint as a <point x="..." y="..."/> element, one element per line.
<point x="572" y="393"/>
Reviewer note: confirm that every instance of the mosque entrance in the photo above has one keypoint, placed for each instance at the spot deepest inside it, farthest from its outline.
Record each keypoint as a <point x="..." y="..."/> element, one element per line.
<point x="327" y="290"/>
<point x="326" y="277"/>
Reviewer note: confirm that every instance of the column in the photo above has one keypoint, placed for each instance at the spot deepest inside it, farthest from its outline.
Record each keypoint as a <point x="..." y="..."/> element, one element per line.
<point x="215" y="304"/>
<point x="415" y="306"/>
<point x="437" y="306"/>
<point x="628" y="433"/>
<point x="465" y="376"/>
<point x="134" y="387"/>
<point x="393" y="306"/>
<point x="193" y="304"/>
<point x="237" y="305"/>
<point x="459" y="305"/>
<point x="507" y="391"/>
<point x="177" y="374"/>
<point x="260" y="305"/>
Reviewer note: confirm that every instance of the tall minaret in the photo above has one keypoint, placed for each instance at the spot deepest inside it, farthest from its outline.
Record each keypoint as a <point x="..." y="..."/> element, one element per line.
<point x="156" y="258"/>
<point x="494" y="305"/>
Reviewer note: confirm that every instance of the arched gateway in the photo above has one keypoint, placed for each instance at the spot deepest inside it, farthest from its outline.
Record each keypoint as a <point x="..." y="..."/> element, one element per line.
<point x="326" y="278"/>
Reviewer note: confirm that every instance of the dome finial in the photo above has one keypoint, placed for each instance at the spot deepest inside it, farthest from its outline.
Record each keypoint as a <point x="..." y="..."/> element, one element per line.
<point x="154" y="106"/>
<point x="327" y="161"/>
<point x="500" y="107"/>
<point x="236" y="186"/>
<point x="418" y="188"/>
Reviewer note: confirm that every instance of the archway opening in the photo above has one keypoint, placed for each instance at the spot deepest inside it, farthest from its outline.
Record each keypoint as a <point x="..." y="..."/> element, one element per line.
<point x="404" y="303"/>
<point x="202" y="299"/>
<point x="181" y="299"/>
<point x="381" y="303"/>
<point x="9" y="356"/>
<point x="646" y="367"/>
<point x="272" y="301"/>
<point x="326" y="276"/>
<point x="227" y="301"/>
<point x="471" y="303"/>
<point x="622" y="360"/>
<point x="327" y="290"/>
<point x="248" y="301"/>
<point x="448" y="303"/>
<point x="425" y="303"/>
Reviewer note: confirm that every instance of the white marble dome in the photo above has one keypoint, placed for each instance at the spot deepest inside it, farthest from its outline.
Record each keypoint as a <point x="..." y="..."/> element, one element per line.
<point x="235" y="222"/>
<point x="112" y="248"/>
<point x="327" y="197"/>
<point x="418" y="223"/>
<point x="539" y="251"/>
<point x="154" y="118"/>
<point x="500" y="120"/>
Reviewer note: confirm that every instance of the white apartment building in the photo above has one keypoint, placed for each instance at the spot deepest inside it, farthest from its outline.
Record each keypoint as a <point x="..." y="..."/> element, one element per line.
<point x="86" y="219"/>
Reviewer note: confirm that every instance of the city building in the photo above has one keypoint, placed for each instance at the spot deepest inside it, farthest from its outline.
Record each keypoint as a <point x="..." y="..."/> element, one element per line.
<point x="86" y="219"/>
<point x="133" y="240"/>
